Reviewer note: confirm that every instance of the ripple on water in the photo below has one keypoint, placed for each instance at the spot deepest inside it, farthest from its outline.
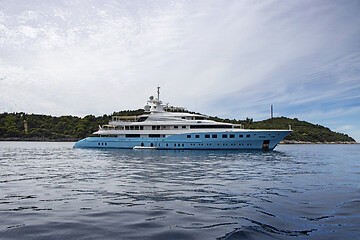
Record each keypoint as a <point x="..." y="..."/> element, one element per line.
<point x="52" y="191"/>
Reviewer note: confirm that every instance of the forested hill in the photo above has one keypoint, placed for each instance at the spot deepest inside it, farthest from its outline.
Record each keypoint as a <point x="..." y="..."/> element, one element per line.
<point x="302" y="131"/>
<point x="69" y="128"/>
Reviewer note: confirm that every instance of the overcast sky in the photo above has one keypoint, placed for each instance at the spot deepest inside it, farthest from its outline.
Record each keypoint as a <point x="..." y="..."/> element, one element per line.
<point x="231" y="59"/>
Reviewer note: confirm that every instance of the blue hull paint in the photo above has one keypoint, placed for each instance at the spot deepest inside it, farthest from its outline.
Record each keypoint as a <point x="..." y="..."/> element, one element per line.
<point x="182" y="142"/>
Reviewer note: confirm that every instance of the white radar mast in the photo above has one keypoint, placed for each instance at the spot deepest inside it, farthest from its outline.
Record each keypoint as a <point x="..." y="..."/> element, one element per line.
<point x="156" y="104"/>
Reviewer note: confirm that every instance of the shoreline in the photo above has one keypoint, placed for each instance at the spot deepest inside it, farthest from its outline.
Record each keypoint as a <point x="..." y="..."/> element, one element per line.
<point x="39" y="139"/>
<point x="305" y="142"/>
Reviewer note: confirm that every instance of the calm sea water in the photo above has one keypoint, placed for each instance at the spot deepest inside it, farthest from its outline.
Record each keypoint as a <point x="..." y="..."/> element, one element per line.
<point x="52" y="191"/>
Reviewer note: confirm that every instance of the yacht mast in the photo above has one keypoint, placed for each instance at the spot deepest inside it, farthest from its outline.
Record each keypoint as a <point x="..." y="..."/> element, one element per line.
<point x="158" y="92"/>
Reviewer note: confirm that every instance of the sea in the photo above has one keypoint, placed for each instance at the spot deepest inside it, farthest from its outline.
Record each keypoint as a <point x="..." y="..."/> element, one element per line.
<point x="49" y="190"/>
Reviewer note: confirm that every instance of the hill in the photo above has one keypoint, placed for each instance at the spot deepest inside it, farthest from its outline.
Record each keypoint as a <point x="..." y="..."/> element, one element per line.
<point x="302" y="131"/>
<point x="69" y="128"/>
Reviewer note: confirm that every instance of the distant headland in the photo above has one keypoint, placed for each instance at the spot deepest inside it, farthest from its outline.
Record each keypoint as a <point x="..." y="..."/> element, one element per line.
<point x="34" y="127"/>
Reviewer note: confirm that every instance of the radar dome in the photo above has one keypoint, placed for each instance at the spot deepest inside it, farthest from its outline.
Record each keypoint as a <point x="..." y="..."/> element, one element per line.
<point x="147" y="108"/>
<point x="151" y="98"/>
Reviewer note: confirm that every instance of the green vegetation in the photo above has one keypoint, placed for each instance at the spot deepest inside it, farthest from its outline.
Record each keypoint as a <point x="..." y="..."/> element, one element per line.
<point x="302" y="131"/>
<point x="69" y="128"/>
<point x="42" y="127"/>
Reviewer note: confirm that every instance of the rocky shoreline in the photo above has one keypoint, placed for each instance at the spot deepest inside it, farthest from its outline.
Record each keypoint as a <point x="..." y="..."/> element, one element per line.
<point x="39" y="139"/>
<point x="304" y="142"/>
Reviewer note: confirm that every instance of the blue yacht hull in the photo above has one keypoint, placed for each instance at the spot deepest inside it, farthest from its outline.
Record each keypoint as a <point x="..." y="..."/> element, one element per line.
<point x="244" y="140"/>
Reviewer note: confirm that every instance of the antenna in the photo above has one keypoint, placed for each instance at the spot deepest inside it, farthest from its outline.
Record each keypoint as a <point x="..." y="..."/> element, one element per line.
<point x="158" y="92"/>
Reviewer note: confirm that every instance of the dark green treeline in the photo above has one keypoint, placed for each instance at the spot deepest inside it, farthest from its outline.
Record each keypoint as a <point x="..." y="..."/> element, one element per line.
<point x="43" y="127"/>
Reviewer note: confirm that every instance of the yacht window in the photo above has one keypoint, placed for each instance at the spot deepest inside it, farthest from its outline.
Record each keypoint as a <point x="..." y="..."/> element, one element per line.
<point x="197" y="136"/>
<point x="153" y="127"/>
<point x="157" y="127"/>
<point x="247" y="136"/>
<point x="141" y="127"/>
<point x="188" y="136"/>
<point x="241" y="135"/>
<point x="183" y="117"/>
<point x="207" y="136"/>
<point x="182" y="144"/>
<point x="232" y="135"/>
<point x="183" y="126"/>
<point x="175" y="126"/>
<point x="131" y="127"/>
<point x="132" y="135"/>
<point x="210" y="126"/>
<point x="214" y="136"/>
<point x="224" y="136"/>
<point x="136" y="127"/>
<point x="142" y="119"/>
<point x="126" y="127"/>
<point x="154" y="135"/>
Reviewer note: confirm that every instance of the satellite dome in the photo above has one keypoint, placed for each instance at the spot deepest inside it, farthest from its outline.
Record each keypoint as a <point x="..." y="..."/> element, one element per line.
<point x="147" y="108"/>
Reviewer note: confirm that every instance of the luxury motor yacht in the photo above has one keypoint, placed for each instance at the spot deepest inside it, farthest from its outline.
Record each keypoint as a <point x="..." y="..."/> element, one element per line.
<point x="165" y="130"/>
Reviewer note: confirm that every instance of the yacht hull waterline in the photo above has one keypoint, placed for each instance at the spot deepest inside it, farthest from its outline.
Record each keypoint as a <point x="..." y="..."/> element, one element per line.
<point x="158" y="129"/>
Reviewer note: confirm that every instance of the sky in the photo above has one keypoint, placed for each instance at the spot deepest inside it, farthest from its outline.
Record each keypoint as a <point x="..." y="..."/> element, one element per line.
<point x="230" y="59"/>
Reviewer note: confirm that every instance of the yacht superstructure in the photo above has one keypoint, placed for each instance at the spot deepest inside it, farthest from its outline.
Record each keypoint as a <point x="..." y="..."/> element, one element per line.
<point x="160" y="129"/>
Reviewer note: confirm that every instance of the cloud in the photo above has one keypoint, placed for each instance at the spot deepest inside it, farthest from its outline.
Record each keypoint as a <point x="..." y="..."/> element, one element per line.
<point x="230" y="59"/>
<point x="344" y="128"/>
